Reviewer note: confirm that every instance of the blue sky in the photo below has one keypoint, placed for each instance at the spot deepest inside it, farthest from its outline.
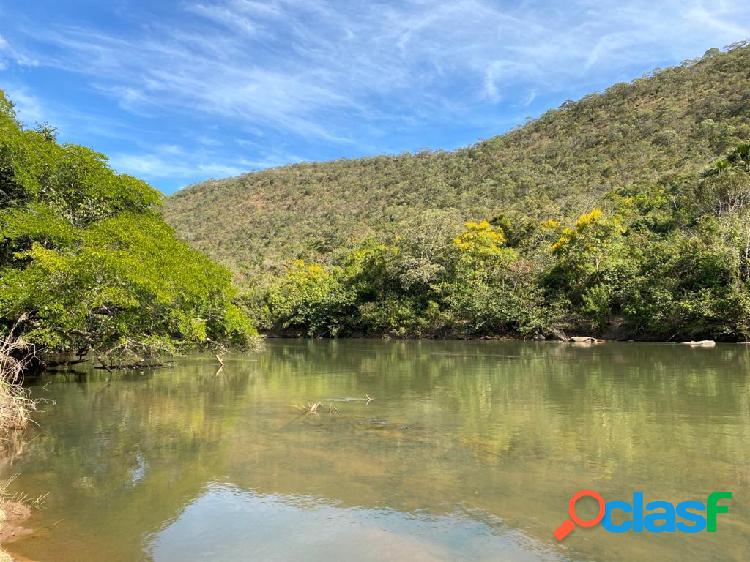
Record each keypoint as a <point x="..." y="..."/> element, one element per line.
<point x="180" y="91"/>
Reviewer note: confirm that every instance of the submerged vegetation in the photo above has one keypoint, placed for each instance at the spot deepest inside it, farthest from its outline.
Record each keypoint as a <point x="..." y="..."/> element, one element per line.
<point x="87" y="261"/>
<point x="625" y="214"/>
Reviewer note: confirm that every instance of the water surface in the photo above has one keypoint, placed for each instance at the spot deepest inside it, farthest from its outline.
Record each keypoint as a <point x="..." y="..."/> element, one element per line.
<point x="467" y="451"/>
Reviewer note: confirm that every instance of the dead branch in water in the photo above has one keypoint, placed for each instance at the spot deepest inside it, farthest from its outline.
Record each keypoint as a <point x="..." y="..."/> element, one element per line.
<point x="15" y="404"/>
<point x="314" y="408"/>
<point x="15" y="354"/>
<point x="133" y="354"/>
<point x="309" y="408"/>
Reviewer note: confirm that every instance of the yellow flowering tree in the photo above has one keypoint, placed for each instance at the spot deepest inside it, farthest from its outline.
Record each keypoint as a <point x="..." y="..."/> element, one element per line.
<point x="492" y="289"/>
<point x="591" y="261"/>
<point x="587" y="248"/>
<point x="483" y="245"/>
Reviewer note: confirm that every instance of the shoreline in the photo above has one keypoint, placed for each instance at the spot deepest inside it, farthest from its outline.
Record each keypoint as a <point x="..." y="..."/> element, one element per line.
<point x="12" y="516"/>
<point x="571" y="340"/>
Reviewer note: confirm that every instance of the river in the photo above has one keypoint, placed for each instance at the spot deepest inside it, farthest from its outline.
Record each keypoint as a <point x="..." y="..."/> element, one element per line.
<point x="419" y="451"/>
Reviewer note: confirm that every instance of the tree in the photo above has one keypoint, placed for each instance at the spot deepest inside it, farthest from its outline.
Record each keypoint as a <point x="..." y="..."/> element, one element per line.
<point x="86" y="257"/>
<point x="309" y="297"/>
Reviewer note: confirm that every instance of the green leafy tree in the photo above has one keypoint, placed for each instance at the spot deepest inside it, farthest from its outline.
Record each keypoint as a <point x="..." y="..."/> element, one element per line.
<point x="311" y="298"/>
<point x="492" y="290"/>
<point x="86" y="257"/>
<point x="592" y="262"/>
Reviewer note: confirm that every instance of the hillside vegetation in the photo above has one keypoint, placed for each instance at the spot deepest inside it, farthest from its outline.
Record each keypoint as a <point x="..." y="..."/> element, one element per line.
<point x="88" y="265"/>
<point x="676" y="121"/>
<point x="624" y="213"/>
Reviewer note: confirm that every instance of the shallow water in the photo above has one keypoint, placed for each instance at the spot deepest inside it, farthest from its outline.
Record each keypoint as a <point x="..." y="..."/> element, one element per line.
<point x="468" y="451"/>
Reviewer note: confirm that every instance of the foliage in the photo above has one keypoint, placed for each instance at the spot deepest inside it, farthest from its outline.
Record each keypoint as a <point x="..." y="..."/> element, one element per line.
<point x="311" y="297"/>
<point x="569" y="161"/>
<point x="624" y="214"/>
<point x="472" y="285"/>
<point x="86" y="256"/>
<point x="663" y="261"/>
<point x="481" y="243"/>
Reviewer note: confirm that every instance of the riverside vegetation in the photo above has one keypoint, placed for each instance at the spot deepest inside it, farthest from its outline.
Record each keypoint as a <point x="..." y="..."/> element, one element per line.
<point x="624" y="215"/>
<point x="89" y="267"/>
<point x="88" y="264"/>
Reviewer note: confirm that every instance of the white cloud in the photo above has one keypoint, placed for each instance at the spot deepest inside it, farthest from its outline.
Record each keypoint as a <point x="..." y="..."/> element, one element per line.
<point x="225" y="16"/>
<point x="271" y="159"/>
<point x="28" y="108"/>
<point x="10" y="55"/>
<point x="174" y="162"/>
<point x="530" y="97"/>
<point x="311" y="67"/>
<point x="212" y="75"/>
<point x="152" y="166"/>
<point x="717" y="16"/>
<point x="4" y="52"/>
<point x="351" y="71"/>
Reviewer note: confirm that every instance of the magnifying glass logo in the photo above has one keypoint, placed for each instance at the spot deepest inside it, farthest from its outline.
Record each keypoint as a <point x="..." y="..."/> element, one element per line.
<point x="569" y="524"/>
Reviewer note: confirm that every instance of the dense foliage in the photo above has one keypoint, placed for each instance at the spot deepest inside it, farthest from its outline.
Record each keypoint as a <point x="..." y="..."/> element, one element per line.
<point x="86" y="258"/>
<point x="563" y="164"/>
<point x="624" y="214"/>
<point x="660" y="260"/>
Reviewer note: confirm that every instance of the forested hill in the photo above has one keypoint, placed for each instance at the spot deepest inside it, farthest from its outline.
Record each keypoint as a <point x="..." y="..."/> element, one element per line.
<point x="673" y="122"/>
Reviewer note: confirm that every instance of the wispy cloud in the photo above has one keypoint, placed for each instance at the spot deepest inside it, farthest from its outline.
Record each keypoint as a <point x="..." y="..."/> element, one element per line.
<point x="210" y="74"/>
<point x="225" y="16"/>
<point x="155" y="166"/>
<point x="290" y="63"/>
<point x="4" y="48"/>
<point x="303" y="76"/>
<point x="28" y="107"/>
<point x="9" y="55"/>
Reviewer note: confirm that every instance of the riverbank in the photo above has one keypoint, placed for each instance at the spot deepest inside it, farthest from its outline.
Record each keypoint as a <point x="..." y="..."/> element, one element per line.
<point x="15" y="415"/>
<point x="12" y="516"/>
<point x="559" y="336"/>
